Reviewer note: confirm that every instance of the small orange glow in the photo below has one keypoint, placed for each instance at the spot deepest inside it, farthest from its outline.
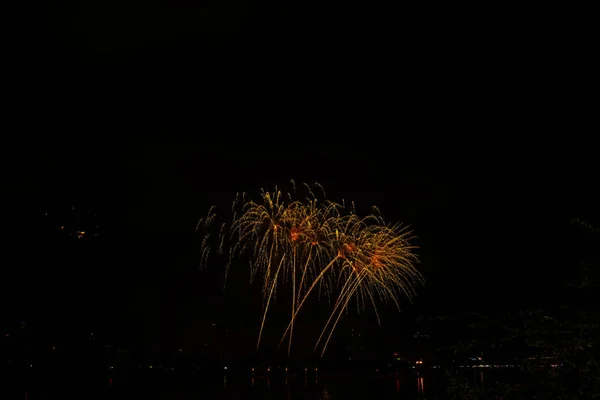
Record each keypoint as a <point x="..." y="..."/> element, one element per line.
<point x="346" y="249"/>
<point x="62" y="227"/>
<point x="376" y="261"/>
<point x="295" y="234"/>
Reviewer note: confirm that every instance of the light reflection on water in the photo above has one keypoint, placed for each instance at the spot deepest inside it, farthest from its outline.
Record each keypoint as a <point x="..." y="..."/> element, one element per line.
<point x="286" y="387"/>
<point x="289" y="388"/>
<point x="305" y="388"/>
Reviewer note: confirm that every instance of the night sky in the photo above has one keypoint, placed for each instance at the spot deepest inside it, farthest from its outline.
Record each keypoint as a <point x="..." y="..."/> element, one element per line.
<point x="148" y="116"/>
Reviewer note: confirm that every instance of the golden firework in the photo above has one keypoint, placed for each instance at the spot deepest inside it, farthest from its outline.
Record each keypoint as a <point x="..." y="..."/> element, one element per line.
<point x="283" y="238"/>
<point x="384" y="267"/>
<point x="314" y="243"/>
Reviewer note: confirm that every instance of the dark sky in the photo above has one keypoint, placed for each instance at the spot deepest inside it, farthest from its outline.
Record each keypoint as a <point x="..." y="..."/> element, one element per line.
<point x="149" y="114"/>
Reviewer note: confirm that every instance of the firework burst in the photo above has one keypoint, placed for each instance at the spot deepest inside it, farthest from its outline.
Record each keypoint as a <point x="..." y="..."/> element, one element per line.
<point x="315" y="244"/>
<point x="383" y="266"/>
